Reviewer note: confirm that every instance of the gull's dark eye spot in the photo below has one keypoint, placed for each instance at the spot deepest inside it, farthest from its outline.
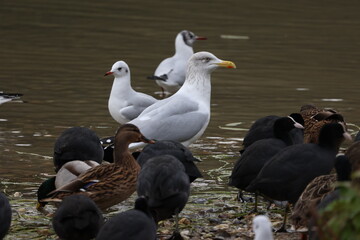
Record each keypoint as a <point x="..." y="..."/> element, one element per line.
<point x="206" y="59"/>
<point x="126" y="71"/>
<point x="119" y="69"/>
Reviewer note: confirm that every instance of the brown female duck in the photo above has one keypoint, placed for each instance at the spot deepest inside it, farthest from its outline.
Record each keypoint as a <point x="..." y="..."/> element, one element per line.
<point x="315" y="118"/>
<point x="323" y="185"/>
<point x="314" y="192"/>
<point x="108" y="184"/>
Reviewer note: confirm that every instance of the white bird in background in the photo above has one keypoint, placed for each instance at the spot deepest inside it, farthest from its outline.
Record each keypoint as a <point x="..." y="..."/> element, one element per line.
<point x="171" y="72"/>
<point x="185" y="115"/>
<point x="125" y="103"/>
<point x="262" y="228"/>
<point x="7" y="97"/>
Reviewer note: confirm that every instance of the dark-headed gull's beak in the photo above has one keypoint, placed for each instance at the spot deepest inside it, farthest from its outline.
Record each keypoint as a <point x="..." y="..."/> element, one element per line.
<point x="200" y="38"/>
<point x="108" y="73"/>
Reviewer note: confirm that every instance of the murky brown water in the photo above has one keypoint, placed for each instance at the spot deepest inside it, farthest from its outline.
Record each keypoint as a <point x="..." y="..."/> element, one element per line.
<point x="56" y="53"/>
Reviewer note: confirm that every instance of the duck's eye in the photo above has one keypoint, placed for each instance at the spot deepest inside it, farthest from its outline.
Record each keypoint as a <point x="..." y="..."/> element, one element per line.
<point x="136" y="130"/>
<point x="119" y="69"/>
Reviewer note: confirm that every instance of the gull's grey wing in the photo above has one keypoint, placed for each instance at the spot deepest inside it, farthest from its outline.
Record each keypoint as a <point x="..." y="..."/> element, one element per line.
<point x="131" y="112"/>
<point x="137" y="104"/>
<point x="178" y="120"/>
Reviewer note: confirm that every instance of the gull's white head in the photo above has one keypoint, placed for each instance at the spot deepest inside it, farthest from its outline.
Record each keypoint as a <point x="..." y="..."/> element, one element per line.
<point x="262" y="228"/>
<point x="208" y="62"/>
<point x="119" y="69"/>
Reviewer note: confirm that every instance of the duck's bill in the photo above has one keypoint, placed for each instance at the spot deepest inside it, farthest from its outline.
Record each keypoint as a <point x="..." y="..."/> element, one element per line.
<point x="146" y="140"/>
<point x="227" y="64"/>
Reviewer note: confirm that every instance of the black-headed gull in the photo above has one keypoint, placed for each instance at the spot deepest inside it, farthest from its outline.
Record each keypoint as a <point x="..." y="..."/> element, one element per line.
<point x="185" y="115"/>
<point x="125" y="103"/>
<point x="7" y="97"/>
<point x="171" y="72"/>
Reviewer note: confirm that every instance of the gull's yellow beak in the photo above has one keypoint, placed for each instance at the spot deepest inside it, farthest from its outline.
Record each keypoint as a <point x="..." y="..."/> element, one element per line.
<point x="227" y="64"/>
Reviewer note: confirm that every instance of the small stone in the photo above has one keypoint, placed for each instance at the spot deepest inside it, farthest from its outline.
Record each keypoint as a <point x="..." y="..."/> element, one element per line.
<point x="214" y="221"/>
<point x="200" y="200"/>
<point x="223" y="234"/>
<point x="221" y="227"/>
<point x="18" y="194"/>
<point x="226" y="215"/>
<point x="22" y="210"/>
<point x="218" y="238"/>
<point x="185" y="234"/>
<point x="185" y="221"/>
<point x="208" y="236"/>
<point x="44" y="232"/>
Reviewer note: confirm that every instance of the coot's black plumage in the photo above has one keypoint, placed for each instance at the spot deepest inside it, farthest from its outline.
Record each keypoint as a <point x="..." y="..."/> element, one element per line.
<point x="77" y="217"/>
<point x="5" y="215"/>
<point x="256" y="155"/>
<point x="77" y="143"/>
<point x="286" y="174"/>
<point x="174" y="148"/>
<point x="263" y="128"/>
<point x="135" y="224"/>
<point x="166" y="186"/>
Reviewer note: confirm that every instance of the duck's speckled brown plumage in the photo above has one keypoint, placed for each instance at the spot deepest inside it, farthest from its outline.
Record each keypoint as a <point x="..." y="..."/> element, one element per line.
<point x="315" y="191"/>
<point x="353" y="154"/>
<point x="108" y="184"/>
<point x="319" y="189"/>
<point x="315" y="119"/>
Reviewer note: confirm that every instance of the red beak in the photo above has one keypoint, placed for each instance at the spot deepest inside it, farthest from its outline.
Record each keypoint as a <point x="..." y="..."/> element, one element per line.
<point x="200" y="38"/>
<point x="108" y="73"/>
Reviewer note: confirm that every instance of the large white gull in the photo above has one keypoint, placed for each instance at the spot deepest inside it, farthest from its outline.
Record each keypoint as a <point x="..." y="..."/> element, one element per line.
<point x="171" y="72"/>
<point x="185" y="115"/>
<point x="125" y="103"/>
